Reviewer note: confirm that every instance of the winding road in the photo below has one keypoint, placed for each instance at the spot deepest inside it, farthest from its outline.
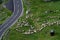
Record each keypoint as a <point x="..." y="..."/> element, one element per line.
<point x="18" y="11"/>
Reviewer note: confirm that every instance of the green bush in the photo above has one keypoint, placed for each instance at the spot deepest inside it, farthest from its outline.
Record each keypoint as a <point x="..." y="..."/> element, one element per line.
<point x="1" y="1"/>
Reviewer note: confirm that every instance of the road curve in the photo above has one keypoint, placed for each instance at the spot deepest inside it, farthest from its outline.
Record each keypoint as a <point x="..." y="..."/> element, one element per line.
<point x="18" y="10"/>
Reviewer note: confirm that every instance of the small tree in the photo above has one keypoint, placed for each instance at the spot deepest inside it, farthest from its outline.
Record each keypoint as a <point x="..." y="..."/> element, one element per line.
<point x="1" y="1"/>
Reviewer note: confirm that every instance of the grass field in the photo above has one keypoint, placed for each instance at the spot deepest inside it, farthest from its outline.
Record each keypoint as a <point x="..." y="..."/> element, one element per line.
<point x="43" y="35"/>
<point x="38" y="9"/>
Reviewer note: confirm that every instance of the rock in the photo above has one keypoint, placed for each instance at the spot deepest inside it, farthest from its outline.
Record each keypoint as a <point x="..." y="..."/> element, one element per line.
<point x="28" y="11"/>
<point x="4" y="6"/>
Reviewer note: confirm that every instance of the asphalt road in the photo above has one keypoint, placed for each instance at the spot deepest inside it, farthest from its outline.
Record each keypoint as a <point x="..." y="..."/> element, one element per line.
<point x="18" y="10"/>
<point x="9" y="5"/>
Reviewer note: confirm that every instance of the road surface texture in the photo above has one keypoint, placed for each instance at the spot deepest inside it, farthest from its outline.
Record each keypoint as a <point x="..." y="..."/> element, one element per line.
<point x="18" y="10"/>
<point x="9" y="5"/>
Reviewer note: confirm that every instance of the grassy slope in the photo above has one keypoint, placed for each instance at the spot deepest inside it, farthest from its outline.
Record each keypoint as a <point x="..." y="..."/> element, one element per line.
<point x="4" y="14"/>
<point x="37" y="9"/>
